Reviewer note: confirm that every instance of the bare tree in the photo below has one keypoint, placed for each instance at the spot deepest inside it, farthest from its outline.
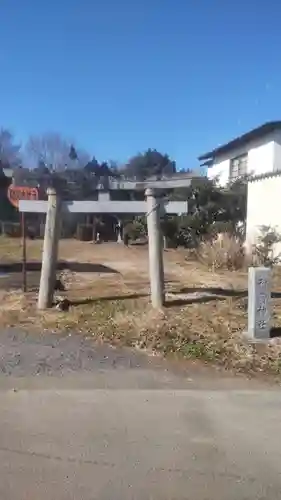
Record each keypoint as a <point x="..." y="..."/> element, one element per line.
<point x="55" y="152"/>
<point x="10" y="153"/>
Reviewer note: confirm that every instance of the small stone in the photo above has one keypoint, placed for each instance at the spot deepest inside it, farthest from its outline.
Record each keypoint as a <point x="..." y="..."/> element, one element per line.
<point x="58" y="299"/>
<point x="63" y="305"/>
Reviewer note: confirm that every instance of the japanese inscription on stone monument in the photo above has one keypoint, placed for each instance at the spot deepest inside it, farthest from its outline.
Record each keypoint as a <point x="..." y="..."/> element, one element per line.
<point x="259" y="294"/>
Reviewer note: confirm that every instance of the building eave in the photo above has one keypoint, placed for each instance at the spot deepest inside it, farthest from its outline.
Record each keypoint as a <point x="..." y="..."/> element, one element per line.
<point x="256" y="133"/>
<point x="208" y="163"/>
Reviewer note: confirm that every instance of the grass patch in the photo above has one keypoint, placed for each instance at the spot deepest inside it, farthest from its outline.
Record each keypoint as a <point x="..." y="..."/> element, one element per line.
<point x="210" y="331"/>
<point x="11" y="249"/>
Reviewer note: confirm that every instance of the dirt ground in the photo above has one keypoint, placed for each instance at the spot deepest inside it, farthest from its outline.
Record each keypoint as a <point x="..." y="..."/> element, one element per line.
<point x="108" y="287"/>
<point x="107" y="268"/>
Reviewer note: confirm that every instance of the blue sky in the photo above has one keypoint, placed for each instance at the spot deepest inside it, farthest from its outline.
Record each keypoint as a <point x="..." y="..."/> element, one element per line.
<point x="119" y="76"/>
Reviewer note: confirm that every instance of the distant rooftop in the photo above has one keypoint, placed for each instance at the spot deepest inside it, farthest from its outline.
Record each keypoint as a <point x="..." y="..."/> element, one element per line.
<point x="256" y="133"/>
<point x="8" y="172"/>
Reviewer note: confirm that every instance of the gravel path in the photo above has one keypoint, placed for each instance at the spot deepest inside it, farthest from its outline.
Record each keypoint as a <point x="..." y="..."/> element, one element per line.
<point x="52" y="360"/>
<point x="25" y="354"/>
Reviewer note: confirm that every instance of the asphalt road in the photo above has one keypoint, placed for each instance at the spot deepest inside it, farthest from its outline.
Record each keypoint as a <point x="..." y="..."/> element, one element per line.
<point x="85" y="422"/>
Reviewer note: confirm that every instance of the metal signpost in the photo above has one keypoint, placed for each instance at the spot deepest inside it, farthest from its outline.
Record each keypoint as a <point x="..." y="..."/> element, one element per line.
<point x="15" y="194"/>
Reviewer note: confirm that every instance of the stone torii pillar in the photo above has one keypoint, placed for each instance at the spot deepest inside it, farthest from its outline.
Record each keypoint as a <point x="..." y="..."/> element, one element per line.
<point x="50" y="251"/>
<point x="155" y="249"/>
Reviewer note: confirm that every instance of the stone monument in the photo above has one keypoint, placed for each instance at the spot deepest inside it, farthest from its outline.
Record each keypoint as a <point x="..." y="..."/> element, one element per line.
<point x="259" y="298"/>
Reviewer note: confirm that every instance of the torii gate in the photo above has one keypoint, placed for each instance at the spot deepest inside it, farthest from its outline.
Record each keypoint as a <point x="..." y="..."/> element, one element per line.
<point x="153" y="207"/>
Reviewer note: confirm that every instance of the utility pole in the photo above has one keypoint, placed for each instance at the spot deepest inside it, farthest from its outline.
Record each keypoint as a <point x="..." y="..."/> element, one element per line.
<point x="155" y="248"/>
<point x="50" y="251"/>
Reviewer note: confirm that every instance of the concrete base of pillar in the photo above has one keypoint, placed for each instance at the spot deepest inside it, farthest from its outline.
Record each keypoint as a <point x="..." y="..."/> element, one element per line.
<point x="254" y="340"/>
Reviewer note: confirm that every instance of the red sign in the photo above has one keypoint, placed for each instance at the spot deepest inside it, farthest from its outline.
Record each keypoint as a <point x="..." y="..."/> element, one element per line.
<point x="16" y="193"/>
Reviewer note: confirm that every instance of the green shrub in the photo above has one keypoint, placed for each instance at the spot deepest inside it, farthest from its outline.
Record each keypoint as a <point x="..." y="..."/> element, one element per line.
<point x="12" y="229"/>
<point x="136" y="229"/>
<point x="264" y="250"/>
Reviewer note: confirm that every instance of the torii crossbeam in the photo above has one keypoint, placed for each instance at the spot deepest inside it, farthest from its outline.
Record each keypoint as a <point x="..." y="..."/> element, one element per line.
<point x="104" y="207"/>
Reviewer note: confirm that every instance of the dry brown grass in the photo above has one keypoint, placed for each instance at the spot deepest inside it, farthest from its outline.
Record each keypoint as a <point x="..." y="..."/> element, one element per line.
<point x="11" y="249"/>
<point x="209" y="330"/>
<point x="224" y="252"/>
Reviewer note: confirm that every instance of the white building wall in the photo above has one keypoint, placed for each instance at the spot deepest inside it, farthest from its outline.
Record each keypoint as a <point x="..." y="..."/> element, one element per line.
<point x="219" y="170"/>
<point x="263" y="208"/>
<point x="262" y="158"/>
<point x="277" y="150"/>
